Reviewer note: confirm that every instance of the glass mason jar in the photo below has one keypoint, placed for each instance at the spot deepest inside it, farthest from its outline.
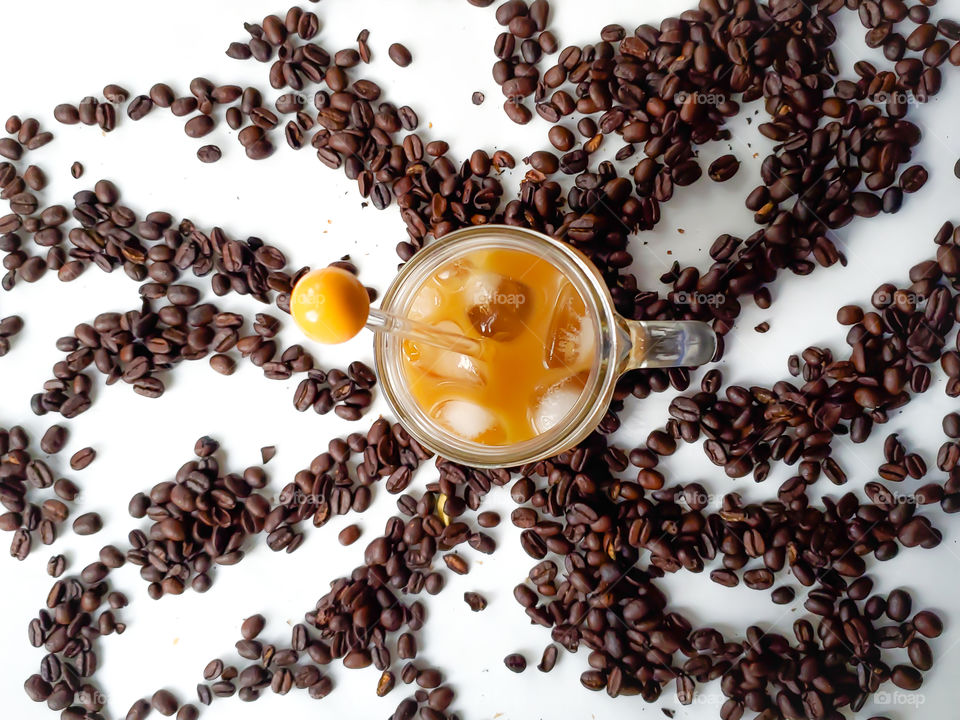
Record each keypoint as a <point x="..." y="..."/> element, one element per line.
<point x="621" y="345"/>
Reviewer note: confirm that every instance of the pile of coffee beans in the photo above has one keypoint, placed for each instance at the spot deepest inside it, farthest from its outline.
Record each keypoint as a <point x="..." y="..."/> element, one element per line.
<point x="892" y="347"/>
<point x="346" y="393"/>
<point x="200" y="519"/>
<point x="600" y="538"/>
<point x="24" y="476"/>
<point x="78" y="611"/>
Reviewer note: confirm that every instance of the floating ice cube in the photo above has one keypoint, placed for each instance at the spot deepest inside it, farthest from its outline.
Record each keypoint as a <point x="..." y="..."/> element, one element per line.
<point x="444" y="365"/>
<point x="571" y="339"/>
<point x="453" y="276"/>
<point x="467" y="419"/>
<point x="425" y="303"/>
<point x="497" y="305"/>
<point x="552" y="404"/>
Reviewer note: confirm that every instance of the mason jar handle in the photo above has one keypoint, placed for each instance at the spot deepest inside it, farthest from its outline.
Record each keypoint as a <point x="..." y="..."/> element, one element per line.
<point x="667" y="343"/>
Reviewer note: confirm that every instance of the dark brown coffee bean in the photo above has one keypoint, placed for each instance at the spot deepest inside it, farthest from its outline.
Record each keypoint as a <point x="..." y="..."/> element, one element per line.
<point x="139" y="107"/>
<point x="476" y="601"/>
<point x="87" y="524"/>
<point x="906" y="677"/>
<point x="164" y="702"/>
<point x="56" y="566"/>
<point x="913" y="178"/>
<point x="399" y="54"/>
<point x="515" y="662"/>
<point x="898" y="605"/>
<point x="928" y="624"/>
<point x="723" y="168"/>
<point x="53" y="439"/>
<point x="66" y="114"/>
<point x="37" y="688"/>
<point x="252" y="627"/>
<point x="10" y="149"/>
<point x="209" y="154"/>
<point x="11" y="325"/>
<point x="198" y="126"/>
<point x="223" y="364"/>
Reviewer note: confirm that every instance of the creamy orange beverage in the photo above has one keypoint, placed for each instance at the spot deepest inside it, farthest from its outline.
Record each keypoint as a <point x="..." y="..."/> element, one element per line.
<point x="537" y="346"/>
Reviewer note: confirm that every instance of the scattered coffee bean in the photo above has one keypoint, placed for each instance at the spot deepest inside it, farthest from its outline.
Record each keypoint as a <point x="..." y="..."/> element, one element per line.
<point x="476" y="601"/>
<point x="209" y="154"/>
<point x="515" y="662"/>
<point x="399" y="54"/>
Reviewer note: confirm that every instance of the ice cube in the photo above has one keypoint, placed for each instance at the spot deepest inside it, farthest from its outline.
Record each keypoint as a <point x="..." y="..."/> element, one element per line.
<point x="571" y="339"/>
<point x="425" y="303"/>
<point x="498" y="305"/>
<point x="444" y="365"/>
<point x="453" y="276"/>
<point x="552" y="404"/>
<point x="469" y="420"/>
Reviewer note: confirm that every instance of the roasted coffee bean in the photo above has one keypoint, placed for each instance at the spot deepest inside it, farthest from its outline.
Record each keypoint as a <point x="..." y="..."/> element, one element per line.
<point x="223" y="364"/>
<point x="198" y="126"/>
<point x="549" y="659"/>
<point x="53" y="439"/>
<point x="476" y="601"/>
<point x="928" y="624"/>
<point x="515" y="662"/>
<point x="913" y="178"/>
<point x="164" y="702"/>
<point x="139" y="107"/>
<point x="252" y="627"/>
<point x="87" y="524"/>
<point x="456" y="563"/>
<point x="56" y="566"/>
<point x="209" y="154"/>
<point x="349" y="535"/>
<point x="10" y="149"/>
<point x="723" y="168"/>
<point x="898" y="605"/>
<point x="399" y="54"/>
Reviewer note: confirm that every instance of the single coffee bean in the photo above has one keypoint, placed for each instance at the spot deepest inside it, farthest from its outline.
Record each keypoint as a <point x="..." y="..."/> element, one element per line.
<point x="399" y="54"/>
<point x="898" y="605"/>
<point x="139" y="107"/>
<point x="723" y="168"/>
<point x="209" y="154"/>
<point x="87" y="524"/>
<point x="198" y="126"/>
<point x="56" y="566"/>
<point x="349" y="535"/>
<point x="515" y="662"/>
<point x="252" y="627"/>
<point x="53" y="439"/>
<point x="164" y="702"/>
<point x="476" y="601"/>
<point x="82" y="458"/>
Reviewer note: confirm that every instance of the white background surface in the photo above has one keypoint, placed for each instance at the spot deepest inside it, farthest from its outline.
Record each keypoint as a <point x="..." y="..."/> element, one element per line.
<point x="315" y="215"/>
